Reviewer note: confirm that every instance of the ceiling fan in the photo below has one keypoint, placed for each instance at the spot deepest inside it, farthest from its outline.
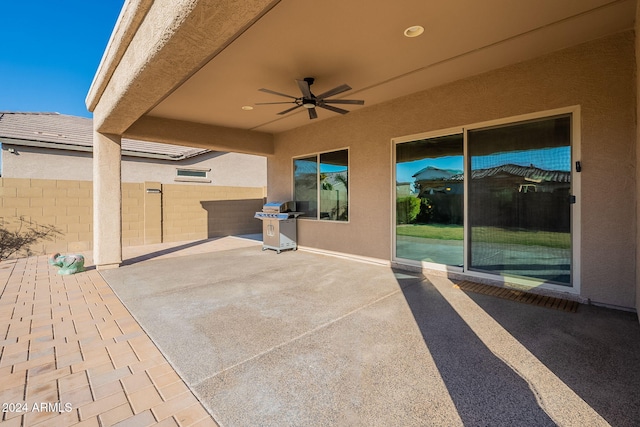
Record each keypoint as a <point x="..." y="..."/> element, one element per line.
<point x="310" y="101"/>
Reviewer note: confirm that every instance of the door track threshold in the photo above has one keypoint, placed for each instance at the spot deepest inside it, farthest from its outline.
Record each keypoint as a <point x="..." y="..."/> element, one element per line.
<point x="519" y="296"/>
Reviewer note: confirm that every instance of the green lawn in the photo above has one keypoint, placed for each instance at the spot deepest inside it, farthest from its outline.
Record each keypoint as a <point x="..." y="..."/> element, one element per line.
<point x="431" y="231"/>
<point x="488" y="234"/>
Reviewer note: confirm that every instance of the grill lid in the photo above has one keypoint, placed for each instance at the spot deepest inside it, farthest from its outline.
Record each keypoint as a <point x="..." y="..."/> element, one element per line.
<point x="278" y="207"/>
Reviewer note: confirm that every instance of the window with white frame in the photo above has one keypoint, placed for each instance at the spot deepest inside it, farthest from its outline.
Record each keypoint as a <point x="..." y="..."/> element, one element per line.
<point x="321" y="185"/>
<point x="192" y="175"/>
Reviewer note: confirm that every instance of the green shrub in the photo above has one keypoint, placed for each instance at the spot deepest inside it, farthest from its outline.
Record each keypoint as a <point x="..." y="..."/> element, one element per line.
<point x="407" y="209"/>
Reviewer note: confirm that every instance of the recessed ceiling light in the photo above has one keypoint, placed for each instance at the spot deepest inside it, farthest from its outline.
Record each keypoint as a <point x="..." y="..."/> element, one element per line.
<point x="414" y="31"/>
<point x="247" y="107"/>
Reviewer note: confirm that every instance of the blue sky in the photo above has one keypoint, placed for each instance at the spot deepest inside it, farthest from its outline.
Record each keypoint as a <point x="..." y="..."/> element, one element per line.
<point x="50" y="51"/>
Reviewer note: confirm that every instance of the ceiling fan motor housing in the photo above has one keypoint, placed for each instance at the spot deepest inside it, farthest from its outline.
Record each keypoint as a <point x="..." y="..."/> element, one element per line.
<point x="308" y="102"/>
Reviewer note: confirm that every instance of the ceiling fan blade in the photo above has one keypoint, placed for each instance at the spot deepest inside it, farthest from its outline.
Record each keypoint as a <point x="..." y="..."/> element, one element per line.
<point x="312" y="113"/>
<point x="272" y="103"/>
<point x="344" y="101"/>
<point x="273" y="92"/>
<point x="332" y="108"/>
<point x="304" y="88"/>
<point x="334" y="91"/>
<point x="290" y="109"/>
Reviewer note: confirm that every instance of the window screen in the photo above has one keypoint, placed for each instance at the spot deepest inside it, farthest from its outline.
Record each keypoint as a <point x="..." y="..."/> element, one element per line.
<point x="519" y="205"/>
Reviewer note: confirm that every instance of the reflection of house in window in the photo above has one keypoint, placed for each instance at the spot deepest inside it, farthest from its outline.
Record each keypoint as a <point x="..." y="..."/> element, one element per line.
<point x="528" y="188"/>
<point x="526" y="179"/>
<point x="519" y="192"/>
<point x="431" y="180"/>
<point x="444" y="189"/>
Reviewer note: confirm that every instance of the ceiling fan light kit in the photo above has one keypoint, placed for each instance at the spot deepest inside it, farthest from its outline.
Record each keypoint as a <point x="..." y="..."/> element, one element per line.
<point x="310" y="101"/>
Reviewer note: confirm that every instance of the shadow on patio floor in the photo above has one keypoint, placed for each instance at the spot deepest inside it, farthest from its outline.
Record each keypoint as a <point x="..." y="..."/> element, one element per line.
<point x="305" y="339"/>
<point x="581" y="368"/>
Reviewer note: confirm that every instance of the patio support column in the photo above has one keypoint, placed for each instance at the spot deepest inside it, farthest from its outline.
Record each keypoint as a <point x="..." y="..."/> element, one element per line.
<point x="107" y="201"/>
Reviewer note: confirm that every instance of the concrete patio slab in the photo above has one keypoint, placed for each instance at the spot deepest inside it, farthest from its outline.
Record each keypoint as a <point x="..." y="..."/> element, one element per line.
<point x="243" y="303"/>
<point x="306" y="339"/>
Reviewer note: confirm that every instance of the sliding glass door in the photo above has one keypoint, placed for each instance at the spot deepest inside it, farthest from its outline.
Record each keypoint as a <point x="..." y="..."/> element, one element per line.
<point x="429" y="196"/>
<point x="519" y="199"/>
<point x="494" y="200"/>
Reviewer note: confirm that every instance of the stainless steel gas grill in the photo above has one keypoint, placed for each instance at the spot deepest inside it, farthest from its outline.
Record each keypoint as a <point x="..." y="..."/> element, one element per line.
<point x="279" y="225"/>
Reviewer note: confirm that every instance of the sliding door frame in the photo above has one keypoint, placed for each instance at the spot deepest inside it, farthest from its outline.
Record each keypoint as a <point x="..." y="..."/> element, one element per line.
<point x="394" y="143"/>
<point x="574" y="112"/>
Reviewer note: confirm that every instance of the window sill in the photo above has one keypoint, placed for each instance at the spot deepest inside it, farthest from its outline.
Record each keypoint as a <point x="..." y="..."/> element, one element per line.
<point x="186" y="179"/>
<point x="322" y="221"/>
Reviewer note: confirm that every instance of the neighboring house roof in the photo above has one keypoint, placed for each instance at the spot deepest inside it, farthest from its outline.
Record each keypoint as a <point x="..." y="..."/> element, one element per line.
<point x="59" y="131"/>
<point x="431" y="172"/>
<point x="453" y="184"/>
<point x="530" y="173"/>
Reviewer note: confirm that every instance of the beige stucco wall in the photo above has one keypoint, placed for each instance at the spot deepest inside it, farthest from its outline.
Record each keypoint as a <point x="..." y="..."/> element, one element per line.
<point x="185" y="217"/>
<point x="598" y="76"/>
<point x="42" y="163"/>
<point x="227" y="169"/>
<point x="67" y="205"/>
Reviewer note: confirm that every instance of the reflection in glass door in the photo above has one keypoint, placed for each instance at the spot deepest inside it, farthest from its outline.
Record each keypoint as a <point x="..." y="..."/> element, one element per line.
<point x="492" y="199"/>
<point x="519" y="212"/>
<point x="429" y="200"/>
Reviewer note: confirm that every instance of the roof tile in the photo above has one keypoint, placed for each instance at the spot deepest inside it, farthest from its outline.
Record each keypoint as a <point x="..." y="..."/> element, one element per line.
<point x="56" y="128"/>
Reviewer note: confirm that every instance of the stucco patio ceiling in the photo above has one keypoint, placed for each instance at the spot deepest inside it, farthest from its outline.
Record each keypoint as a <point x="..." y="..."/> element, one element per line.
<point x="361" y="43"/>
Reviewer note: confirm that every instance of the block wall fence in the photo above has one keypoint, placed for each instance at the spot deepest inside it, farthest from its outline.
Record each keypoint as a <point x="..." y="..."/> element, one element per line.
<point x="151" y="212"/>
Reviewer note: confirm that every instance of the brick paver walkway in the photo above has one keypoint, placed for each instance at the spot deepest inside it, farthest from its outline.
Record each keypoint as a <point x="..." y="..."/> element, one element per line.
<point x="71" y="354"/>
